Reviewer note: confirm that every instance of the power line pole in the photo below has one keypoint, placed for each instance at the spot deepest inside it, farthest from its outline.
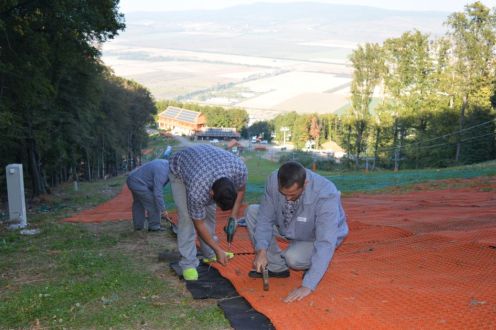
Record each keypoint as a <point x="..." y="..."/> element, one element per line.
<point x="284" y="130"/>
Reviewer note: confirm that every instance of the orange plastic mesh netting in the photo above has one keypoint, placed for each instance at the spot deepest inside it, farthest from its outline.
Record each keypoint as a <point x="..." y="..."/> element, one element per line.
<point x="116" y="209"/>
<point x="423" y="259"/>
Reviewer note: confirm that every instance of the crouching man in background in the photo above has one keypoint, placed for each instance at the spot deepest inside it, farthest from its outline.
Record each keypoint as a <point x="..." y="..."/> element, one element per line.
<point x="146" y="184"/>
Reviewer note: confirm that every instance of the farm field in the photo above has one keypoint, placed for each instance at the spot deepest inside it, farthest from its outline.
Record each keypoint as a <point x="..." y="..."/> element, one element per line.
<point x="263" y="86"/>
<point x="299" y="91"/>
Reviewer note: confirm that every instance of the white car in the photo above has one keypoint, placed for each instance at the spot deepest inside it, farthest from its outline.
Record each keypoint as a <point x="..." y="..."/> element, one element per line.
<point x="214" y="141"/>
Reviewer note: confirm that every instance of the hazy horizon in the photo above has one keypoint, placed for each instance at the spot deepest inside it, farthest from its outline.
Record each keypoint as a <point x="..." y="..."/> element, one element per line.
<point x="128" y="6"/>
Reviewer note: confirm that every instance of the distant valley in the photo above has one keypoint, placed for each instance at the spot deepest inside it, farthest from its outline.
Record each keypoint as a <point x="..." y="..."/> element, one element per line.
<point x="266" y="58"/>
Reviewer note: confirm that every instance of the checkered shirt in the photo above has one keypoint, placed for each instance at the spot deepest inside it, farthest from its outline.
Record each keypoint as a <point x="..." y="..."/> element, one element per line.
<point x="198" y="167"/>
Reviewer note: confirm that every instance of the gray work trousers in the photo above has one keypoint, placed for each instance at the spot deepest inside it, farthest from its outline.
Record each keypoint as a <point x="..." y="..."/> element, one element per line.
<point x="297" y="256"/>
<point x="186" y="234"/>
<point x="143" y="199"/>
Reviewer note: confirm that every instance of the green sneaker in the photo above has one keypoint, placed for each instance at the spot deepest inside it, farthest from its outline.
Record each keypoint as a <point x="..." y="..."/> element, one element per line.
<point x="229" y="255"/>
<point x="190" y="274"/>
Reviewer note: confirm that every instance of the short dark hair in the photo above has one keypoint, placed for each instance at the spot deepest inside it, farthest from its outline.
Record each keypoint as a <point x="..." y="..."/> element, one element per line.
<point x="224" y="193"/>
<point x="290" y="173"/>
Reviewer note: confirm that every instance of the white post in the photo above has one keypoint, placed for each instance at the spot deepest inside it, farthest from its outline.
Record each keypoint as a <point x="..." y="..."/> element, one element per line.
<point x="17" y="202"/>
<point x="284" y="130"/>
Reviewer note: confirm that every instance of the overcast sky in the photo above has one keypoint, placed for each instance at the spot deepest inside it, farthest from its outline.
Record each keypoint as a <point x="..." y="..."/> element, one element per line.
<point x="127" y="6"/>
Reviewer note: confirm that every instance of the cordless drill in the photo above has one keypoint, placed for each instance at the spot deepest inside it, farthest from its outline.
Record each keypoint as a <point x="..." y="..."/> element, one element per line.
<point x="230" y="229"/>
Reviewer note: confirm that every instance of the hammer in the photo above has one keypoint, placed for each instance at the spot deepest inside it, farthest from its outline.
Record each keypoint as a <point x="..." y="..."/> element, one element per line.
<point x="265" y="276"/>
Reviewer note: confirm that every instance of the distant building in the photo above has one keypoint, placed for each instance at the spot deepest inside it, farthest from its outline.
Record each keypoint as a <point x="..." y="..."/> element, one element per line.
<point x="181" y="121"/>
<point x="220" y="133"/>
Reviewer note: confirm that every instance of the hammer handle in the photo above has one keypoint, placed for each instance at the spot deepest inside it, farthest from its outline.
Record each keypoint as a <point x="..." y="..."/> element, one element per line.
<point x="265" y="275"/>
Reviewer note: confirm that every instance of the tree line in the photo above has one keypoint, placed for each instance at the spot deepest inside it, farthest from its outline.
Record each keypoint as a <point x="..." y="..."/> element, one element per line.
<point x="415" y="101"/>
<point x="430" y="88"/>
<point x="63" y="114"/>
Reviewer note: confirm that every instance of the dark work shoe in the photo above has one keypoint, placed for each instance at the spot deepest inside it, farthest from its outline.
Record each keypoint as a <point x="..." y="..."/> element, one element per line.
<point x="157" y="229"/>
<point x="255" y="274"/>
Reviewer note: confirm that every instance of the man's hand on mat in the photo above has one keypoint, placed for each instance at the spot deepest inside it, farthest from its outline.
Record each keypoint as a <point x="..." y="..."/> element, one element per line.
<point x="297" y="294"/>
<point x="260" y="261"/>
<point x="221" y="257"/>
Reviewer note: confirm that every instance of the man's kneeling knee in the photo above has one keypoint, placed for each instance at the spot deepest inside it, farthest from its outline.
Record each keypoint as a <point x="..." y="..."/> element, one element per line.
<point x="295" y="261"/>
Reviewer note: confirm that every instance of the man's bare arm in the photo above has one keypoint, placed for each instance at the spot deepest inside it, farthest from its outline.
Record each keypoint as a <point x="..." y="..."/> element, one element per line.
<point x="204" y="234"/>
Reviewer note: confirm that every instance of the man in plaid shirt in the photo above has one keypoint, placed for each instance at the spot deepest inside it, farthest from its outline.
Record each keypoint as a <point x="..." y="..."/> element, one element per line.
<point x="203" y="177"/>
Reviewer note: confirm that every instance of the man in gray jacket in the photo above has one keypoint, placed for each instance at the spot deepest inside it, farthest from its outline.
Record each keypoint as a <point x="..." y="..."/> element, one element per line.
<point x="146" y="184"/>
<point x="306" y="209"/>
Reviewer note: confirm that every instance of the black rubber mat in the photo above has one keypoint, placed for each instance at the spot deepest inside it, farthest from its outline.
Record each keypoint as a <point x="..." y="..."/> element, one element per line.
<point x="242" y="316"/>
<point x="211" y="285"/>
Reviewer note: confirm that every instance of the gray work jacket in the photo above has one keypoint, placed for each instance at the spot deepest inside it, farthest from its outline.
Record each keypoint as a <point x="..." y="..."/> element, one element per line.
<point x="319" y="218"/>
<point x="151" y="177"/>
